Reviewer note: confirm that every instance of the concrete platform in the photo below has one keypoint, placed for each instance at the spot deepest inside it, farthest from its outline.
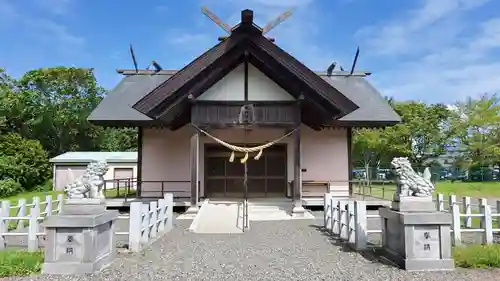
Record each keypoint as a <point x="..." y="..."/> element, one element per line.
<point x="370" y="201"/>
<point x="218" y="217"/>
<point x="307" y="201"/>
<point x="122" y="202"/>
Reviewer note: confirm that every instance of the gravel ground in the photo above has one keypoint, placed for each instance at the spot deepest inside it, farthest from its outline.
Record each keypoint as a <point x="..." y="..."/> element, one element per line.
<point x="284" y="250"/>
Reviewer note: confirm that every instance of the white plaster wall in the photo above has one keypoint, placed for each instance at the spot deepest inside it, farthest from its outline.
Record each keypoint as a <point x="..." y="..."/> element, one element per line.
<point x="260" y="87"/>
<point x="166" y="156"/>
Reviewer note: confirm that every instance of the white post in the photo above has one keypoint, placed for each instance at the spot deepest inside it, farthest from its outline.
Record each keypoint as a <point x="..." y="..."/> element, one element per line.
<point x="21" y="212"/>
<point x="4" y="223"/>
<point x="169" y="224"/>
<point x="60" y="202"/>
<point x="36" y="208"/>
<point x="6" y="214"/>
<point x="153" y="207"/>
<point x="48" y="205"/>
<point x="486" y="223"/>
<point x="36" y="204"/>
<point x="440" y="202"/>
<point x="467" y="208"/>
<point x="135" y="226"/>
<point x="145" y="223"/>
<point x="455" y="219"/>
<point x="33" y="228"/>
<point x="351" y="226"/>
<point x="498" y="212"/>
<point x="360" y="222"/>
<point x="335" y="226"/>
<point x="327" y="211"/>
<point x="344" y="232"/>
<point x="162" y="215"/>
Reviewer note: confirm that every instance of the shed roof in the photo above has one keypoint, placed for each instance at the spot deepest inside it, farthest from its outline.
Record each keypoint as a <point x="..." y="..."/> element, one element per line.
<point x="89" y="156"/>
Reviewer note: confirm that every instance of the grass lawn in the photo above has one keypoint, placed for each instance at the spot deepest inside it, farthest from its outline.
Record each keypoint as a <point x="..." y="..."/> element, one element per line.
<point x="20" y="263"/>
<point x="472" y="189"/>
<point x="477" y="256"/>
<point x="119" y="193"/>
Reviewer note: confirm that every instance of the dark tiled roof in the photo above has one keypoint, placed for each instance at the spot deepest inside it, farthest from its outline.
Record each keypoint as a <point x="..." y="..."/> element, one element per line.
<point x="372" y="106"/>
<point x="117" y="105"/>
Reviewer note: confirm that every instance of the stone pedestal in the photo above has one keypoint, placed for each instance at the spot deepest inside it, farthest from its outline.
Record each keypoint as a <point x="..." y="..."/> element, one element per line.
<point x="416" y="238"/>
<point x="413" y="204"/>
<point x="298" y="212"/>
<point x="80" y="239"/>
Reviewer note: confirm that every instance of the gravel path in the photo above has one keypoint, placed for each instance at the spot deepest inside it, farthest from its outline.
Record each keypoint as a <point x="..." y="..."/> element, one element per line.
<point x="284" y="250"/>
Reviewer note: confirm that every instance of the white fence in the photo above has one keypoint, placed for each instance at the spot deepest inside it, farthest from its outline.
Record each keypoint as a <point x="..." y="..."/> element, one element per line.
<point x="33" y="213"/>
<point x="348" y="219"/>
<point x="148" y="221"/>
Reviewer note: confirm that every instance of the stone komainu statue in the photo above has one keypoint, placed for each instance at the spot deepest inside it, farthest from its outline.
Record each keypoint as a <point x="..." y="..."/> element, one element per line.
<point x="90" y="184"/>
<point x="409" y="182"/>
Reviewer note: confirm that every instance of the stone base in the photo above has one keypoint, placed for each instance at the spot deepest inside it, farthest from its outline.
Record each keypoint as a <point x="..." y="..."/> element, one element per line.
<point x="86" y="206"/>
<point x="298" y="211"/>
<point x="421" y="264"/>
<point x="413" y="204"/>
<point x="192" y="210"/>
<point x="79" y="243"/>
<point x="70" y="268"/>
<point x="417" y="241"/>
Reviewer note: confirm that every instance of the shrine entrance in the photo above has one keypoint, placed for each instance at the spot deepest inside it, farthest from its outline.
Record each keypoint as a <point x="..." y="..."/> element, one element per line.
<point x="267" y="177"/>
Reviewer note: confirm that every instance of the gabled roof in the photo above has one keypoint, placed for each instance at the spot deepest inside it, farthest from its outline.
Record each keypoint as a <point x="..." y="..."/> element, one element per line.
<point x="147" y="99"/>
<point x="246" y="43"/>
<point x="116" y="108"/>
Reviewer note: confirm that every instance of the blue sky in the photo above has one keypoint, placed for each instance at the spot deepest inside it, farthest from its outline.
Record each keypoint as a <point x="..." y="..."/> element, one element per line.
<point x="430" y="50"/>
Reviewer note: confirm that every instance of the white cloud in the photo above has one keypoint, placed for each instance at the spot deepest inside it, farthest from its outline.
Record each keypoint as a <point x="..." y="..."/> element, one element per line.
<point x="184" y="38"/>
<point x="50" y="32"/>
<point x="440" y="55"/>
<point x="428" y="27"/>
<point x="59" y="7"/>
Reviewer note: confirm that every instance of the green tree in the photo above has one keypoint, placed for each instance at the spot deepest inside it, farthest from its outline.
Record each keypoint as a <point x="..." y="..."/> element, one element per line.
<point x="59" y="100"/>
<point x="119" y="139"/>
<point x="478" y="124"/>
<point x="370" y="149"/>
<point x="424" y="134"/>
<point x="24" y="161"/>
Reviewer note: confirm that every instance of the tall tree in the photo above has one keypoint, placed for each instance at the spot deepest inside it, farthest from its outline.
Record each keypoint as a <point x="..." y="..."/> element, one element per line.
<point x="425" y="132"/>
<point x="478" y="124"/>
<point x="60" y="100"/>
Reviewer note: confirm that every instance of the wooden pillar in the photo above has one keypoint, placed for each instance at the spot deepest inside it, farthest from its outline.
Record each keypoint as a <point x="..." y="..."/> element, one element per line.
<point x="139" y="162"/>
<point x="194" y="163"/>
<point x="349" y="158"/>
<point x="297" y="169"/>
<point x="297" y="177"/>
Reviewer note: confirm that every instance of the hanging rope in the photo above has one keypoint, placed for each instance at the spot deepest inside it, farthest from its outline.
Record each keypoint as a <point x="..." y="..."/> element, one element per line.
<point x="245" y="150"/>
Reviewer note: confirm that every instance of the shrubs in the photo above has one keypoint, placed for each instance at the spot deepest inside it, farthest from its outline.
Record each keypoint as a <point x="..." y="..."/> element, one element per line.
<point x="20" y="263"/>
<point x="9" y="187"/>
<point x="24" y="161"/>
<point x="477" y="256"/>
